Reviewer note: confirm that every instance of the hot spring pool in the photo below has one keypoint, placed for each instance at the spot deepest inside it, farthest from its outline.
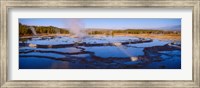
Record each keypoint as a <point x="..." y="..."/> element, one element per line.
<point x="105" y="52"/>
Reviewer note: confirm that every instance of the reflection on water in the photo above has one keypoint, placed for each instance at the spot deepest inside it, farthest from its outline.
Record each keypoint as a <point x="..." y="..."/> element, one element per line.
<point x="113" y="51"/>
<point x="170" y="59"/>
<point x="68" y="49"/>
<point x="150" y="44"/>
<point x="159" y="55"/>
<point x="37" y="63"/>
<point x="45" y="63"/>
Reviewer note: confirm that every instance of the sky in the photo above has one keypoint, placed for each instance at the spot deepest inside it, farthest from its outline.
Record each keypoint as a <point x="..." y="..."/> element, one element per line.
<point x="109" y="23"/>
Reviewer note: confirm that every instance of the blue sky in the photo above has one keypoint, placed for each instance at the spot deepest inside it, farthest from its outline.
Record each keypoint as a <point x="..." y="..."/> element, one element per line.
<point x="109" y="23"/>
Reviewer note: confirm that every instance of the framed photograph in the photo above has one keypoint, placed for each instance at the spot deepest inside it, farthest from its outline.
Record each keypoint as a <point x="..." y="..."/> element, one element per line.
<point x="120" y="43"/>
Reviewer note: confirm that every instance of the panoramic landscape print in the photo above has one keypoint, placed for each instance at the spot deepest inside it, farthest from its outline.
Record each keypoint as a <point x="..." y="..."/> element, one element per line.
<point x="99" y="43"/>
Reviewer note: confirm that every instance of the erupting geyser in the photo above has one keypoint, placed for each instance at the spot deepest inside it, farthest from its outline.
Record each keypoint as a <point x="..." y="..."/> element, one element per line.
<point x="33" y="30"/>
<point x="76" y="27"/>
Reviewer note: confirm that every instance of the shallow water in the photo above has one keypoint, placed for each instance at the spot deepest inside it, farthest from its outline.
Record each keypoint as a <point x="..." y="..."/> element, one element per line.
<point x="67" y="50"/>
<point x="155" y="42"/>
<point x="46" y="63"/>
<point x="52" y="41"/>
<point x="115" y="51"/>
<point x="128" y="56"/>
<point x="70" y="40"/>
<point x="171" y="59"/>
<point x="54" y="55"/>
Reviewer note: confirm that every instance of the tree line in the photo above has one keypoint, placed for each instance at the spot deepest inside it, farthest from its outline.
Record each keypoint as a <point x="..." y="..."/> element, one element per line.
<point x="25" y="30"/>
<point x="132" y="31"/>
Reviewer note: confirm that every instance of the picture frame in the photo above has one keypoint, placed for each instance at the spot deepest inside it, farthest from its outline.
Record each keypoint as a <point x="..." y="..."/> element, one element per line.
<point x="7" y="4"/>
